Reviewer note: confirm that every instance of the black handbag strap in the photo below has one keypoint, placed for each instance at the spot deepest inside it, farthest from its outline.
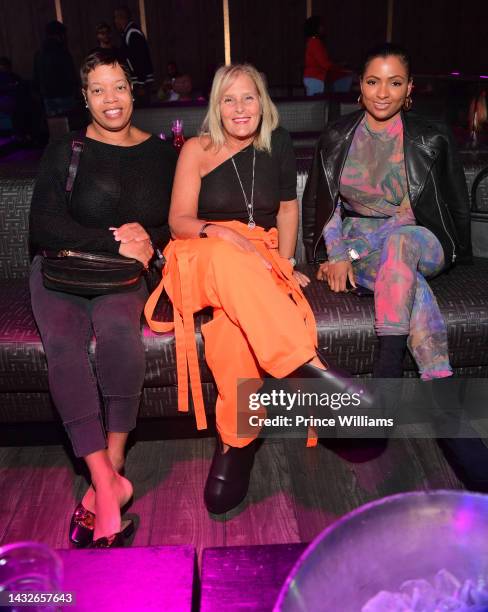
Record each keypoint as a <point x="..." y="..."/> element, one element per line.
<point x="77" y="145"/>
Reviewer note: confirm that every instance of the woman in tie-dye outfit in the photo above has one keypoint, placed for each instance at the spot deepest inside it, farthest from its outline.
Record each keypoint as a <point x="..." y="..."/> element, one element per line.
<point x="393" y="255"/>
<point x="373" y="237"/>
<point x="387" y="195"/>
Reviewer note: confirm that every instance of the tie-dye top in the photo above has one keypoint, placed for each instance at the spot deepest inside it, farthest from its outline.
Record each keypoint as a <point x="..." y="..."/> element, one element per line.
<point x="373" y="180"/>
<point x="374" y="184"/>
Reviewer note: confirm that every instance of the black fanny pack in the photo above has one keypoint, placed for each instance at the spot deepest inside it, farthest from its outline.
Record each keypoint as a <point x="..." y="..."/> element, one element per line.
<point x="90" y="274"/>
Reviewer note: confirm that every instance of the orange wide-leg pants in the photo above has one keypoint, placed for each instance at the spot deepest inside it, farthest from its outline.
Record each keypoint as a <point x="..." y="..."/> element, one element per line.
<point x="262" y="321"/>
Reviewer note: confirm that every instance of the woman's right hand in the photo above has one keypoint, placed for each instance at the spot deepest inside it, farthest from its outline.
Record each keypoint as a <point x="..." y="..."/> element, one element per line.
<point x="241" y="242"/>
<point x="137" y="249"/>
<point x="337" y="274"/>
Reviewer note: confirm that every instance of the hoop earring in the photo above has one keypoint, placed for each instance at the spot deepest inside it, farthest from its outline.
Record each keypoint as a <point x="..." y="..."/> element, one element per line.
<point x="407" y="105"/>
<point x="360" y="100"/>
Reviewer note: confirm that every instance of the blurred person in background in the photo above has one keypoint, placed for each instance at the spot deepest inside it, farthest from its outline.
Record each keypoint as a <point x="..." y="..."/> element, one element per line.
<point x="103" y="33"/>
<point x="135" y="52"/>
<point x="54" y="76"/>
<point x="183" y="88"/>
<point x="317" y="61"/>
<point x="14" y="101"/>
<point x="166" y="91"/>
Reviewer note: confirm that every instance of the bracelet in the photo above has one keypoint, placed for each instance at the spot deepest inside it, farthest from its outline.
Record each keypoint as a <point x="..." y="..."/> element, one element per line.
<point x="202" y="233"/>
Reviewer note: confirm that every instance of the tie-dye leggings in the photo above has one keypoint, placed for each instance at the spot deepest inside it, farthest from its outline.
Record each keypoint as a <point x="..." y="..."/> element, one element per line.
<point x="404" y="302"/>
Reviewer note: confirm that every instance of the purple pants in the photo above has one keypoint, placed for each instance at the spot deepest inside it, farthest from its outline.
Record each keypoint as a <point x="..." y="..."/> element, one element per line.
<point x="90" y="400"/>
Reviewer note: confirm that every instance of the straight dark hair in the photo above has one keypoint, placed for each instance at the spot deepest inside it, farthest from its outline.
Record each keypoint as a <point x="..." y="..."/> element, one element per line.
<point x="103" y="57"/>
<point x="385" y="50"/>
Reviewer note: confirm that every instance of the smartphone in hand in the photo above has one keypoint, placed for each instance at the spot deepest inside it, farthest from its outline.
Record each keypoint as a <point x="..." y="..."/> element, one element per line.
<point x="359" y="290"/>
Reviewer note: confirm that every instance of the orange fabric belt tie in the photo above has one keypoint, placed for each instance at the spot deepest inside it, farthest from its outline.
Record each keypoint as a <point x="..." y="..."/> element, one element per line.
<point x="177" y="278"/>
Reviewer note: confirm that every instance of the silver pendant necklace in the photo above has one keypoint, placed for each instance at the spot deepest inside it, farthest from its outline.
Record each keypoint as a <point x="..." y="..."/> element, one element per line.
<point x="251" y="224"/>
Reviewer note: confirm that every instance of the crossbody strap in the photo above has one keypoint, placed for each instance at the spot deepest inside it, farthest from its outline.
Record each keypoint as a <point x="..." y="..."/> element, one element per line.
<point x="77" y="145"/>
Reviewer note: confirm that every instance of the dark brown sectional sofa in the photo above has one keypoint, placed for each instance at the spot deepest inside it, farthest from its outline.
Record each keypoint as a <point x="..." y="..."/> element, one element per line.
<point x="345" y="323"/>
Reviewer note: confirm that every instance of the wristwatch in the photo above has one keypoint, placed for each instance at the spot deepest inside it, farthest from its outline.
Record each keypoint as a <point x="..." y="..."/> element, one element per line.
<point x="353" y="255"/>
<point x="202" y="233"/>
<point x="293" y="261"/>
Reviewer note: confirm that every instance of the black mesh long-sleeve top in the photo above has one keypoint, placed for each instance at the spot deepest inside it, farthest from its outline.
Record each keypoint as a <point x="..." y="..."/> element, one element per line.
<point x="114" y="185"/>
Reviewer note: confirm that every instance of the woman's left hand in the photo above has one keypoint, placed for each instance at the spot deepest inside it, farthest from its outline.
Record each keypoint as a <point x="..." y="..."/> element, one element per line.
<point x="130" y="231"/>
<point x="302" y="279"/>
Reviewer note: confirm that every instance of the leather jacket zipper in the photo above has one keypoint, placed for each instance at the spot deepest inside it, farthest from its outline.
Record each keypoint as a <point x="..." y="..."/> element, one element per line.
<point x="444" y="225"/>
<point x="333" y="207"/>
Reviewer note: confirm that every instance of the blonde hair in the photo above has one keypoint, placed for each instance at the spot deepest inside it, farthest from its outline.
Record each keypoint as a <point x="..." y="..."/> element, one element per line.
<point x="212" y="124"/>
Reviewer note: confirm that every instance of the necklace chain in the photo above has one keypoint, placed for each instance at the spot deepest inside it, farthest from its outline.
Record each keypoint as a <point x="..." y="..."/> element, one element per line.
<point x="249" y="204"/>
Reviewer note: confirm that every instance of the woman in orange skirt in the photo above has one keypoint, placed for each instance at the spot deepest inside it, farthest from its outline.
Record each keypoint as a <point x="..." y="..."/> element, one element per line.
<point x="234" y="220"/>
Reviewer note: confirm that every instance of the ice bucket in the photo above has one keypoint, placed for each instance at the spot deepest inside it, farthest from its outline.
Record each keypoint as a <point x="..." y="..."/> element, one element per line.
<point x="380" y="545"/>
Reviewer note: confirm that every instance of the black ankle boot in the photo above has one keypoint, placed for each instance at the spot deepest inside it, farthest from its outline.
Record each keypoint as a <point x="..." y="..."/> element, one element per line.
<point x="336" y="379"/>
<point x="228" y="477"/>
<point x="389" y="363"/>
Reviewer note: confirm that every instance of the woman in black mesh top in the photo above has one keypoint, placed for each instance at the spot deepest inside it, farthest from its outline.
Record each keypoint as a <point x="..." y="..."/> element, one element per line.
<point x="119" y="204"/>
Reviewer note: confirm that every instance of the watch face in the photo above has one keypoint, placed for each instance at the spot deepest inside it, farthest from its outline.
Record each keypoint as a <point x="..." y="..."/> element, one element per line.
<point x="293" y="261"/>
<point x="353" y="254"/>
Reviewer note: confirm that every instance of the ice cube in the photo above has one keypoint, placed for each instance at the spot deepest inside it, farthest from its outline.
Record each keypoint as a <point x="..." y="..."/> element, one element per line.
<point x="446" y="583"/>
<point x="421" y="594"/>
<point x="385" y="601"/>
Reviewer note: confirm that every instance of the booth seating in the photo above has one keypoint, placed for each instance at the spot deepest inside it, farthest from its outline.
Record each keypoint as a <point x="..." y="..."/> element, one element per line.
<point x="303" y="118"/>
<point x="476" y="169"/>
<point x="345" y="323"/>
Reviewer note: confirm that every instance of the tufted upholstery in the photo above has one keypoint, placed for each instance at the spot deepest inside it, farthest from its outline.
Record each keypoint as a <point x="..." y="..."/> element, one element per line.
<point x="15" y="197"/>
<point x="345" y="324"/>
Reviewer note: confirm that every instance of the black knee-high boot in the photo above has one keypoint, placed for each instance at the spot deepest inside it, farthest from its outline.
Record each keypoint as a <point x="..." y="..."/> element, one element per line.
<point x="389" y="363"/>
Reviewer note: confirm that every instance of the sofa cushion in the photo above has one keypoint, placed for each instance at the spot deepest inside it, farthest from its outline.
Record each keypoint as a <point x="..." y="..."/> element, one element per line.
<point x="344" y="321"/>
<point x="23" y="365"/>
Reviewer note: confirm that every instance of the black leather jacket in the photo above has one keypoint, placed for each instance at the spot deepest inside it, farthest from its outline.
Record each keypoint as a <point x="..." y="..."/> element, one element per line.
<point x="435" y="177"/>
